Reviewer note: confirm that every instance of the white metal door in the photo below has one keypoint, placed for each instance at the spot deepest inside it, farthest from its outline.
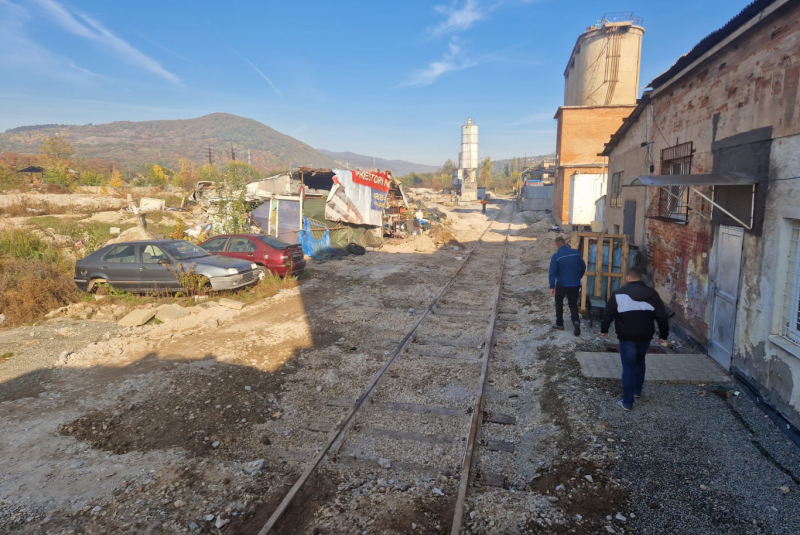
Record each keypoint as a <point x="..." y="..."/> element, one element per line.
<point x="585" y="189"/>
<point x="722" y="327"/>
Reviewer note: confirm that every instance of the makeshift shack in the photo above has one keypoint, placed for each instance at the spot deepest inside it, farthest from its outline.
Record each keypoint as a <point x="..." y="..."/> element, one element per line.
<point x="322" y="208"/>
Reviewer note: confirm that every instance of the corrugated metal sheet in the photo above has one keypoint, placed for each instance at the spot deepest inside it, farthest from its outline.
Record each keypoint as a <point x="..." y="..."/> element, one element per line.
<point x="538" y="198"/>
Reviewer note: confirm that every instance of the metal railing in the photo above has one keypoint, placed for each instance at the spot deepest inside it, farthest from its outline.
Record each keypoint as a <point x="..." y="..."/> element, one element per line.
<point x="620" y="16"/>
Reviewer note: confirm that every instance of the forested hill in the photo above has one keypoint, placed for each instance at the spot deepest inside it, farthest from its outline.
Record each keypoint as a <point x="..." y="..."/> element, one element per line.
<point x="133" y="144"/>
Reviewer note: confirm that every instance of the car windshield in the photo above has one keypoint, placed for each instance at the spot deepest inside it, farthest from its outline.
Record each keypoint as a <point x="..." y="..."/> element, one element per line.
<point x="183" y="250"/>
<point x="275" y="243"/>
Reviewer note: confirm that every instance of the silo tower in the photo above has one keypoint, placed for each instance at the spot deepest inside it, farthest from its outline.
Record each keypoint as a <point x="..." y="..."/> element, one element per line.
<point x="466" y="179"/>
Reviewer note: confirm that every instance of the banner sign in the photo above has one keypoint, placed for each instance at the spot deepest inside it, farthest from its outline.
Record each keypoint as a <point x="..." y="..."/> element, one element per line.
<point x="366" y="192"/>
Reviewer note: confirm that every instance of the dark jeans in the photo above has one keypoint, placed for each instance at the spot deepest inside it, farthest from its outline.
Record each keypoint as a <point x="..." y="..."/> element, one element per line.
<point x="571" y="293"/>
<point x="632" y="355"/>
<point x="483" y="208"/>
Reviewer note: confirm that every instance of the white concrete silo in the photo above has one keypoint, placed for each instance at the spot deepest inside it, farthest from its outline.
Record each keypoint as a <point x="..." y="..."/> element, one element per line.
<point x="466" y="178"/>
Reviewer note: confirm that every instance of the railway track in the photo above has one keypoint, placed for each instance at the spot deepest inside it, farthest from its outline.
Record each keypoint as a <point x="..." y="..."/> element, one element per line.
<point x="439" y="370"/>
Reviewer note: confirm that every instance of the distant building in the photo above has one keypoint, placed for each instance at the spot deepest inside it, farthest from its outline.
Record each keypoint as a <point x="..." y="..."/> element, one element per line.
<point x="600" y="89"/>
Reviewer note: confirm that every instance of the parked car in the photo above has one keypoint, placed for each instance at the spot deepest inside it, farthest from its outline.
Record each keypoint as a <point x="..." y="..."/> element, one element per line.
<point x="271" y="254"/>
<point x="146" y="266"/>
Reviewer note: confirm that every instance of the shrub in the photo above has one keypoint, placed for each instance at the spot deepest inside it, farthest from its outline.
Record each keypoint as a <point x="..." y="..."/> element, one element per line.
<point x="29" y="289"/>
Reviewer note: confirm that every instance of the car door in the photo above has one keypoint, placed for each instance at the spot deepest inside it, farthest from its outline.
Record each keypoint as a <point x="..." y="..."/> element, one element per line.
<point x="156" y="269"/>
<point x="120" y="267"/>
<point x="215" y="245"/>
<point x="242" y="248"/>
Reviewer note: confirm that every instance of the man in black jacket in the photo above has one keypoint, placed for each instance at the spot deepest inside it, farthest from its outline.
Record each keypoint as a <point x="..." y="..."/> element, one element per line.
<point x="633" y="309"/>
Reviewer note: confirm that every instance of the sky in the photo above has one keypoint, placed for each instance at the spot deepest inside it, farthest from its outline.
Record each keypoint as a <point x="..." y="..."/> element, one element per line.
<point x="383" y="78"/>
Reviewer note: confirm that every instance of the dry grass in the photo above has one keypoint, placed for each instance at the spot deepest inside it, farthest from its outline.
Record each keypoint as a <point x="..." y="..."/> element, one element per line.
<point x="29" y="289"/>
<point x="26" y="208"/>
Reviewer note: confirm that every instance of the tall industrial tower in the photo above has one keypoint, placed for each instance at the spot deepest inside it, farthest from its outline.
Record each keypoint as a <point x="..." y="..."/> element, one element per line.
<point x="465" y="179"/>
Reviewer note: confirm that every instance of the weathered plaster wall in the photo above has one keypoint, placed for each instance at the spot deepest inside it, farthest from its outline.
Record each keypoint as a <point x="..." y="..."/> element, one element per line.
<point x="631" y="158"/>
<point x="775" y="367"/>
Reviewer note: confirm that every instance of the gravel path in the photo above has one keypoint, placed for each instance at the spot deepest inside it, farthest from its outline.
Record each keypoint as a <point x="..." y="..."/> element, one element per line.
<point x="696" y="463"/>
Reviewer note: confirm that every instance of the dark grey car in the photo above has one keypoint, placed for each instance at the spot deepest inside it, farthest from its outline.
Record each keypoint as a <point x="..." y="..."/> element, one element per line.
<point x="146" y="266"/>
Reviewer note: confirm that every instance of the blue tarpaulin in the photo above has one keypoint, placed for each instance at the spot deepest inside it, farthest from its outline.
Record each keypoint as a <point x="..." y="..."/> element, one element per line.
<point x="315" y="247"/>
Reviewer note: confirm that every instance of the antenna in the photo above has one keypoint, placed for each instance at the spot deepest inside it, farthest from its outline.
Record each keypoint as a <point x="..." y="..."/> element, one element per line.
<point x="210" y="157"/>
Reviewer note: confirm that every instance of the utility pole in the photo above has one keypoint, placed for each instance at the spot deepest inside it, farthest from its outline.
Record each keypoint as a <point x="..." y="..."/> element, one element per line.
<point x="249" y="161"/>
<point x="233" y="153"/>
<point x="210" y="158"/>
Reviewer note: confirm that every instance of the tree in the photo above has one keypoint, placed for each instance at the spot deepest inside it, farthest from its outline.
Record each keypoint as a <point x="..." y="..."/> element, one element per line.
<point x="485" y="173"/>
<point x="55" y="150"/>
<point x="187" y="174"/>
<point x="157" y="176"/>
<point x="209" y="173"/>
<point x="116" y="180"/>
<point x="242" y="171"/>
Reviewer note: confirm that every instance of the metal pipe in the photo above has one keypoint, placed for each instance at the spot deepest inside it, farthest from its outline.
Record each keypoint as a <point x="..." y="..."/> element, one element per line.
<point x="745" y="225"/>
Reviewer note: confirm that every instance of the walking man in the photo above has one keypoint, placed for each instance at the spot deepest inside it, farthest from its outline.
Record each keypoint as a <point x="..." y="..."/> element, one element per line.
<point x="484" y="202"/>
<point x="633" y="309"/>
<point x="566" y="271"/>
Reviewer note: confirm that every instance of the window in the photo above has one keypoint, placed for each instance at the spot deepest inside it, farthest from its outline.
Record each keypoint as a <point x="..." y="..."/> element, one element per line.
<point x="275" y="243"/>
<point x="790" y="316"/>
<point x="216" y="245"/>
<point x="241" y="245"/>
<point x="183" y="250"/>
<point x="121" y="254"/>
<point x="671" y="203"/>
<point x="152" y="255"/>
<point x="615" y="192"/>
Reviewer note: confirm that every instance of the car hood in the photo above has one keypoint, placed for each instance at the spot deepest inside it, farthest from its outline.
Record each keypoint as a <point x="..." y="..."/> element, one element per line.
<point x="223" y="262"/>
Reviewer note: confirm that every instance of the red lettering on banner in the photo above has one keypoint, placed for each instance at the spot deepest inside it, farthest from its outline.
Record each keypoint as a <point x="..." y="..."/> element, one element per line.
<point x="378" y="181"/>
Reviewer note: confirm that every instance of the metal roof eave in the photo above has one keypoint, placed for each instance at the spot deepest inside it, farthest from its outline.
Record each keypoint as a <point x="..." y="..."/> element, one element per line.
<point x="722" y="179"/>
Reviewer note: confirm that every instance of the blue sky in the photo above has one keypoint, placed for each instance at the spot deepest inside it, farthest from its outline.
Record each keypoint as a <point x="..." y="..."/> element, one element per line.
<point x="383" y="78"/>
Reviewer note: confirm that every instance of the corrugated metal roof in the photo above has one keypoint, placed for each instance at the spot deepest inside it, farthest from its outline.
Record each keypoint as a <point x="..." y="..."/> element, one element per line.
<point x="724" y="179"/>
<point x="710" y="41"/>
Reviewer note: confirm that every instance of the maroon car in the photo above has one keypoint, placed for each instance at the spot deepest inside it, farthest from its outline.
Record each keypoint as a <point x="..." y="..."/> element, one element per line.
<point x="270" y="253"/>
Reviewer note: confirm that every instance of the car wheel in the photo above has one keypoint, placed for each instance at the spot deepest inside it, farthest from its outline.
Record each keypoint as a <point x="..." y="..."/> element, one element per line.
<point x="263" y="273"/>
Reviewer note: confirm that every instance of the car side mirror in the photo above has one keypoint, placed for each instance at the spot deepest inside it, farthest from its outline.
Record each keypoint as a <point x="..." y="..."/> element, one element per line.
<point x="164" y="262"/>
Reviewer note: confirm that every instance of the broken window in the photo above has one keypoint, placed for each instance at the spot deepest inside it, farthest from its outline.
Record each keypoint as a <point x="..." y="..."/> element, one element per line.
<point x="615" y="191"/>
<point x="790" y="317"/>
<point x="671" y="203"/>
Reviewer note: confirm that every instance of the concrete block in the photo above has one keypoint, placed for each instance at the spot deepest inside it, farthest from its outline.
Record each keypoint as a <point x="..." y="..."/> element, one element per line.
<point x="137" y="317"/>
<point x="148" y="204"/>
<point x="208" y="304"/>
<point x="170" y="313"/>
<point x="230" y="303"/>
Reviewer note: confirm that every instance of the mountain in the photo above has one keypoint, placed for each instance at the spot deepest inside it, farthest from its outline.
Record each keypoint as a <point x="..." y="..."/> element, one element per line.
<point x="132" y="144"/>
<point x="397" y="167"/>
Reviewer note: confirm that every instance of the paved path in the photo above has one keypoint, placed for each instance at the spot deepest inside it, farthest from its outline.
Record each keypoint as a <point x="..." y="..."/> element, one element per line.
<point x="669" y="368"/>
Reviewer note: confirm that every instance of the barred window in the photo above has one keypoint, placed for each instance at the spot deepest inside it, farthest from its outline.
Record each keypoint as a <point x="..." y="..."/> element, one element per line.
<point x="615" y="191"/>
<point x="790" y="317"/>
<point x="671" y="203"/>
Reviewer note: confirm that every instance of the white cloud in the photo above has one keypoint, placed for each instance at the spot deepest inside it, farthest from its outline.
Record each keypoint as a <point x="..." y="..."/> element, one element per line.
<point x="261" y="74"/>
<point x="91" y="29"/>
<point x="18" y="51"/>
<point x="450" y="62"/>
<point x="459" y="18"/>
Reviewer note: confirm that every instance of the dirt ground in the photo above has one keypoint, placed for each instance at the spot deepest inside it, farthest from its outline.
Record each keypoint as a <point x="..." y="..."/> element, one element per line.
<point x="201" y="425"/>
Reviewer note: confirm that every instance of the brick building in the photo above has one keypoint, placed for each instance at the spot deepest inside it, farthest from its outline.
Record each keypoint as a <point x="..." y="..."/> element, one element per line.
<point x="600" y="89"/>
<point x="714" y="149"/>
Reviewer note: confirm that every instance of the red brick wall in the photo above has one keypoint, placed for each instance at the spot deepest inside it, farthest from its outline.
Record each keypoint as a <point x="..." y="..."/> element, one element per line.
<point x="678" y="256"/>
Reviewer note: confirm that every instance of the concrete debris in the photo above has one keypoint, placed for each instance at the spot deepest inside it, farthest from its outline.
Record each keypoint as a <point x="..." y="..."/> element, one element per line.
<point x="620" y="517"/>
<point x="230" y="303"/>
<point x="148" y="204"/>
<point x="2" y="319"/>
<point x="254" y="467"/>
<point x="589" y="479"/>
<point x="172" y="312"/>
<point x="138" y="317"/>
<point x="384" y="463"/>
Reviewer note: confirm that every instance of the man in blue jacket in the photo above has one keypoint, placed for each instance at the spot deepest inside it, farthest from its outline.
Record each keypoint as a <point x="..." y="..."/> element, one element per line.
<point x="566" y="271"/>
